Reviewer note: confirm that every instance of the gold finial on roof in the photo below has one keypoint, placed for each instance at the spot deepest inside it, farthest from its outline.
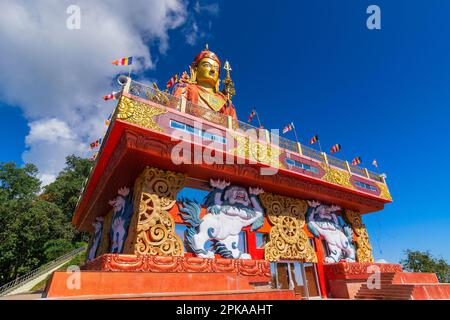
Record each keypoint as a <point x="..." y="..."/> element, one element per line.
<point x="206" y="47"/>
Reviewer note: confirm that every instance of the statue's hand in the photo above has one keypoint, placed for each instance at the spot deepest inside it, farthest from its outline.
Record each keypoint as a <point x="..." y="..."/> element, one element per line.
<point x="255" y="191"/>
<point x="314" y="203"/>
<point x="219" y="184"/>
<point x="123" y="191"/>
<point x="184" y="77"/>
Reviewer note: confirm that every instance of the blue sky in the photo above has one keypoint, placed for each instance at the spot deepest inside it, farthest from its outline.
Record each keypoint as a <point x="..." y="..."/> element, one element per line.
<point x="381" y="94"/>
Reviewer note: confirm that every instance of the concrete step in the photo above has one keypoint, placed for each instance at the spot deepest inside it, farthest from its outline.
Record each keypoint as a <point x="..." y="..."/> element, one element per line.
<point x="388" y="289"/>
<point x="383" y="298"/>
<point x="381" y="293"/>
<point x="386" y="292"/>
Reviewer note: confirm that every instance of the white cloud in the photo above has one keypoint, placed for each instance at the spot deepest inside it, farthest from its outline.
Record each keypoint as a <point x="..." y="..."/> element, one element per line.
<point x="211" y="8"/>
<point x="192" y="30"/>
<point x="191" y="34"/>
<point x="381" y="261"/>
<point x="57" y="76"/>
<point x="50" y="140"/>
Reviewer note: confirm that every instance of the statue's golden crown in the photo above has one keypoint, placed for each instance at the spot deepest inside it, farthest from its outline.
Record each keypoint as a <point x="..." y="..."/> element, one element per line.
<point x="206" y="53"/>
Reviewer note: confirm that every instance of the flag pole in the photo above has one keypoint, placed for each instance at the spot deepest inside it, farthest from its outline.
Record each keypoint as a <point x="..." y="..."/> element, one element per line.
<point x="129" y="71"/>
<point x="257" y="118"/>
<point x="320" y="146"/>
<point x="295" y="132"/>
<point x="376" y="166"/>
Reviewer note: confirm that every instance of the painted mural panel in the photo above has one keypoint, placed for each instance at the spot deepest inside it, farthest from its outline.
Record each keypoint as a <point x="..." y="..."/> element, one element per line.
<point x="122" y="211"/>
<point x="323" y="221"/>
<point x="98" y="229"/>
<point x="229" y="208"/>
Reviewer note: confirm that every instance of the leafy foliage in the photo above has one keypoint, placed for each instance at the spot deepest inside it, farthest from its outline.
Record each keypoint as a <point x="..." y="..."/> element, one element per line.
<point x="36" y="228"/>
<point x="418" y="261"/>
<point x="64" y="191"/>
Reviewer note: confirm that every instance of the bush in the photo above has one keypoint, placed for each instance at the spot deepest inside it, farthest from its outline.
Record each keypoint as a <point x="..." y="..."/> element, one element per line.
<point x="54" y="249"/>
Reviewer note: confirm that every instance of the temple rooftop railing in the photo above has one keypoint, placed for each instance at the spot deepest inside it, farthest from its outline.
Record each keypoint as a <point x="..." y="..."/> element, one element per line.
<point x="147" y="92"/>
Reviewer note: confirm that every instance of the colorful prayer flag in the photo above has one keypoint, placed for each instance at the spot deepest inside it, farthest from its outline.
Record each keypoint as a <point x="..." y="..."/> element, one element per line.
<point x="172" y="81"/>
<point x="94" y="156"/>
<point x="288" y="128"/>
<point x="314" y="139"/>
<point x="108" y="121"/>
<point x="123" y="61"/>
<point x="250" y="117"/>
<point x="335" y="148"/>
<point x="375" y="163"/>
<point x="356" y="161"/>
<point x="96" y="143"/>
<point x="111" y="96"/>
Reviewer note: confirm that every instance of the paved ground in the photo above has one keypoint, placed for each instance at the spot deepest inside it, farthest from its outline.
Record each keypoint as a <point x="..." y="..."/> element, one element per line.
<point x="23" y="296"/>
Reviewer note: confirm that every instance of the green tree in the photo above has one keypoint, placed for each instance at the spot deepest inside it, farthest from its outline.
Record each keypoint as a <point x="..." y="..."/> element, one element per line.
<point x="36" y="228"/>
<point x="56" y="248"/>
<point x="65" y="190"/>
<point x="18" y="183"/>
<point x="18" y="190"/>
<point x="423" y="261"/>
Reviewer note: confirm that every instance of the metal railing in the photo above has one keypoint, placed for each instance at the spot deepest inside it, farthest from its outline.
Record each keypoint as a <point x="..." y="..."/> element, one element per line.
<point x="337" y="162"/>
<point x="358" y="170"/>
<point x="149" y="93"/>
<point x="18" y="282"/>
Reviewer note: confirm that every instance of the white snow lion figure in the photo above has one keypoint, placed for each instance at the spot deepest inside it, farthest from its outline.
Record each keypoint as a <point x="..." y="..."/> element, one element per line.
<point x="229" y="209"/>
<point x="122" y="212"/>
<point x="323" y="221"/>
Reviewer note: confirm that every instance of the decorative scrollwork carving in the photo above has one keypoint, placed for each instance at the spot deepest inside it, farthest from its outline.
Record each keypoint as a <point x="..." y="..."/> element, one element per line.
<point x="156" y="192"/>
<point x="139" y="113"/>
<point x="337" y="176"/>
<point x="363" y="247"/>
<point x="288" y="239"/>
<point x="384" y="191"/>
<point x="153" y="263"/>
<point x="257" y="151"/>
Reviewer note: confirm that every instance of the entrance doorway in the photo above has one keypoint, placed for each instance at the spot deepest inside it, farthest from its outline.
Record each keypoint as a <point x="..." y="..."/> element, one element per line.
<point x="298" y="276"/>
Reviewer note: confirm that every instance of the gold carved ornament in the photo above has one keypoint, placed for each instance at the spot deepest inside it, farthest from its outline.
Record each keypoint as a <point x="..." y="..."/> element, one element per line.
<point x="139" y="113"/>
<point x="287" y="238"/>
<point x="257" y="151"/>
<point x="336" y="176"/>
<point x="152" y="229"/>
<point x="384" y="191"/>
<point x="363" y="247"/>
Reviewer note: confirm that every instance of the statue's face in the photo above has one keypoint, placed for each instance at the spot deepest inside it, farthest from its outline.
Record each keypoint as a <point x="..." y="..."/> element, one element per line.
<point x="207" y="73"/>
<point x="236" y="195"/>
<point x="118" y="204"/>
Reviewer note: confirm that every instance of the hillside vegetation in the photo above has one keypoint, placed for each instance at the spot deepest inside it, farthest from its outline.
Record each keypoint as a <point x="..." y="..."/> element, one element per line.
<point x="35" y="222"/>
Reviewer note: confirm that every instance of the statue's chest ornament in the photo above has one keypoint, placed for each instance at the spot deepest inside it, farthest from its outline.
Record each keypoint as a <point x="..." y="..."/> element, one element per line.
<point x="212" y="101"/>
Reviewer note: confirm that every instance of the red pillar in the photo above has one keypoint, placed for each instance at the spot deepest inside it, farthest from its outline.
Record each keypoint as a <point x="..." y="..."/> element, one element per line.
<point x="320" y="269"/>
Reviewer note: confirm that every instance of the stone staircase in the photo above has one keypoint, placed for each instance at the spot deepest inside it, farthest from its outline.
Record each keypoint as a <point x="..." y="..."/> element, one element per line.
<point x="405" y="286"/>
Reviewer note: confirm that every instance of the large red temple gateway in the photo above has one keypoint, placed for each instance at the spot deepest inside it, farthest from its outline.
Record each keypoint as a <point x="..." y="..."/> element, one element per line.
<point x="187" y="202"/>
